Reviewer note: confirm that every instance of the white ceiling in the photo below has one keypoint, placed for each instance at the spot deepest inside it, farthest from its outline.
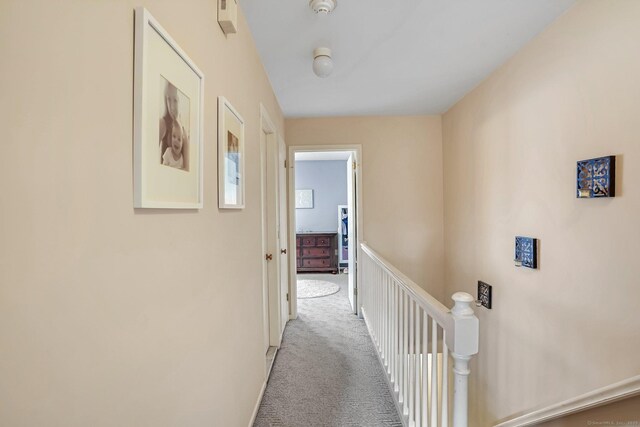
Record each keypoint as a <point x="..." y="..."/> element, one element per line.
<point x="306" y="156"/>
<point x="392" y="57"/>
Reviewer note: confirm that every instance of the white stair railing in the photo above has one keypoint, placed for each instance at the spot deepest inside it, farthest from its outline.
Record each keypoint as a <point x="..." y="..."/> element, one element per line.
<point x="415" y="335"/>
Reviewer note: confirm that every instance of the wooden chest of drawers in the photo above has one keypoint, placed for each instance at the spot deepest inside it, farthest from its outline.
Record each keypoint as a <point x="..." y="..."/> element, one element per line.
<point x="317" y="252"/>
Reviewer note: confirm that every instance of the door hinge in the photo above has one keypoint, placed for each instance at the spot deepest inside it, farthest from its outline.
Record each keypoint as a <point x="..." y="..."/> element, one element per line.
<point x="285" y="164"/>
<point x="355" y="291"/>
<point x="287" y="296"/>
<point x="354" y="166"/>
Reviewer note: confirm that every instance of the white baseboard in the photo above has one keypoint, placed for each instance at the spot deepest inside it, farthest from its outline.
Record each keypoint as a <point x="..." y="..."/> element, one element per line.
<point x="600" y="397"/>
<point x="255" y="410"/>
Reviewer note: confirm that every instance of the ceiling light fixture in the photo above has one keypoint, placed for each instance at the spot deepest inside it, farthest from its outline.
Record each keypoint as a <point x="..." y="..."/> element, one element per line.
<point x="323" y="6"/>
<point x="322" y="63"/>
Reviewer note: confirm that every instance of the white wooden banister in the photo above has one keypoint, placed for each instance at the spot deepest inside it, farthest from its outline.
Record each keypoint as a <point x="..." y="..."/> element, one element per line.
<point x="415" y="334"/>
<point x="464" y="345"/>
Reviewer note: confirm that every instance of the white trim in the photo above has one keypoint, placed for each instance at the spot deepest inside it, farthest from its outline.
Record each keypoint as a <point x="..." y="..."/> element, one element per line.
<point x="285" y="242"/>
<point x="293" y="262"/>
<point x="291" y="160"/>
<point x="255" y="409"/>
<point x="600" y="397"/>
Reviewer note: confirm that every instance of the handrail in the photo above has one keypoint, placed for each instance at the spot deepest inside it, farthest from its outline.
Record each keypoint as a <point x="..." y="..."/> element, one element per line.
<point x="415" y="335"/>
<point x="437" y="310"/>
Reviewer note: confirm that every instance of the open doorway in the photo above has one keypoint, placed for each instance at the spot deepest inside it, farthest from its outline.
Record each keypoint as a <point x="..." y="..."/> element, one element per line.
<point x="325" y="224"/>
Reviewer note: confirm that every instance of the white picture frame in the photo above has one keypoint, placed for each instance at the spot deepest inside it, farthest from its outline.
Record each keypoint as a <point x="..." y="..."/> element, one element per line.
<point x="304" y="199"/>
<point x="231" y="185"/>
<point x="168" y="115"/>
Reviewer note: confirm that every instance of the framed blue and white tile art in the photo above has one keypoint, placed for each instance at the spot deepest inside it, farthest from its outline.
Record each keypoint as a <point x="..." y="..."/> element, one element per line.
<point x="596" y="178"/>
<point x="526" y="252"/>
<point x="484" y="294"/>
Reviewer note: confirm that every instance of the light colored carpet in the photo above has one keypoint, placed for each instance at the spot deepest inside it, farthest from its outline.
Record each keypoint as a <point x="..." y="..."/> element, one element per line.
<point x="316" y="288"/>
<point x="326" y="373"/>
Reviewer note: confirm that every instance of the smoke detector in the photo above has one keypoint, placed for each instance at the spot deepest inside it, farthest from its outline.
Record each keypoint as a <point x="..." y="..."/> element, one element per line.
<point x="323" y="6"/>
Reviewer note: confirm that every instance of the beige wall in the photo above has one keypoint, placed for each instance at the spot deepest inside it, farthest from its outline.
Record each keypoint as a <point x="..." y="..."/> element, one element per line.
<point x="510" y="152"/>
<point x="110" y="316"/>
<point x="402" y="185"/>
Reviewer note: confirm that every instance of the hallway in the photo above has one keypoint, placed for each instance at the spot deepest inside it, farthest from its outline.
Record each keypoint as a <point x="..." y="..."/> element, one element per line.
<point x="326" y="372"/>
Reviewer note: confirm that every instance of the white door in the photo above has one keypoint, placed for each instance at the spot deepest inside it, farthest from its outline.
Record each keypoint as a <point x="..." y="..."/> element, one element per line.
<point x="272" y="256"/>
<point x="352" y="238"/>
<point x="283" y="227"/>
<point x="272" y="295"/>
<point x="265" y="243"/>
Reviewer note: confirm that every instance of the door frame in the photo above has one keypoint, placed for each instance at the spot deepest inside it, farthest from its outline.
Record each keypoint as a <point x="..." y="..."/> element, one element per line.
<point x="283" y="222"/>
<point x="272" y="316"/>
<point x="291" y="160"/>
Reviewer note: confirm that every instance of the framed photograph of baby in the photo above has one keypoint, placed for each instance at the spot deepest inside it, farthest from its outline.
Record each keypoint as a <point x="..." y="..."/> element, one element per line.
<point x="168" y="121"/>
<point x="230" y="156"/>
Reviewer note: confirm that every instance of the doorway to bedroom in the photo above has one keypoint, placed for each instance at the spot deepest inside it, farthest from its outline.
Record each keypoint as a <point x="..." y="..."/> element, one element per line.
<point x="324" y="189"/>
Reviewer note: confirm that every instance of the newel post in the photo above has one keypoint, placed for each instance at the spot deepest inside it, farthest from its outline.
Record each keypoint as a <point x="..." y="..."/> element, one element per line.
<point x="465" y="345"/>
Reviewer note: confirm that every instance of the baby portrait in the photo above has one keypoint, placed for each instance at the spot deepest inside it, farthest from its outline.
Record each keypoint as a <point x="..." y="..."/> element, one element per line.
<point x="174" y="126"/>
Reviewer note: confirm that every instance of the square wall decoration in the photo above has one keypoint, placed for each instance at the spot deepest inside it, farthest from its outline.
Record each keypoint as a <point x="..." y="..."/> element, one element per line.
<point x="596" y="178"/>
<point x="526" y="252"/>
<point x="304" y="199"/>
<point x="484" y="294"/>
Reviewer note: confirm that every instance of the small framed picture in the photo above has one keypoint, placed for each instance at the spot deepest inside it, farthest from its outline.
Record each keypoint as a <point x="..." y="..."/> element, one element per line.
<point x="304" y="199"/>
<point x="230" y="156"/>
<point x="596" y="178"/>
<point x="526" y="254"/>
<point x="168" y="121"/>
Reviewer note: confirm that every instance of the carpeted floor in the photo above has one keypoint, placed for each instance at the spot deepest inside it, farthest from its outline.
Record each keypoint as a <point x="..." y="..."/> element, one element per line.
<point x="326" y="373"/>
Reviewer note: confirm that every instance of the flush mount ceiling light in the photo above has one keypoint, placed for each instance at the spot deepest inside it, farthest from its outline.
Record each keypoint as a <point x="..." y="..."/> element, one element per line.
<point x="322" y="63"/>
<point x="323" y="6"/>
